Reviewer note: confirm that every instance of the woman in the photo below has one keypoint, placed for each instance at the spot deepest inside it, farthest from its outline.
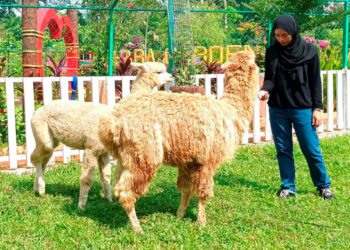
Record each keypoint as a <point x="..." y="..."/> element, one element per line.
<point x="293" y="86"/>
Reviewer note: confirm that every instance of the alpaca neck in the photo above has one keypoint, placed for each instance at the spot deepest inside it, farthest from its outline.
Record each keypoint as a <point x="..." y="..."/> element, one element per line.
<point x="143" y="84"/>
<point x="241" y="93"/>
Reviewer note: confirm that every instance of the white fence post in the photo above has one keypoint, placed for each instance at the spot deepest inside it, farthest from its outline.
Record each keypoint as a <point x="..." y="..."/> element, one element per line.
<point x="256" y="115"/>
<point x="330" y="121"/>
<point x="340" y="103"/>
<point x="126" y="86"/>
<point x="47" y="90"/>
<point x="65" y="96"/>
<point x="320" y="128"/>
<point x="29" y="108"/>
<point x="268" y="134"/>
<point x="11" y="120"/>
<point x="220" y="85"/>
<point x="207" y="84"/>
<point x="347" y="99"/>
<point x="111" y="91"/>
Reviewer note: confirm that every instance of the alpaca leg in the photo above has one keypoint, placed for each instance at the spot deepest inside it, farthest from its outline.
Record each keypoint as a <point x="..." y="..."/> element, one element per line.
<point x="203" y="184"/>
<point x="118" y="171"/>
<point x="45" y="145"/>
<point x="184" y="186"/>
<point x="132" y="184"/>
<point x="105" y="176"/>
<point x="127" y="198"/>
<point x="185" y="199"/>
<point x="39" y="182"/>
<point x="135" y="223"/>
<point x="201" y="212"/>
<point x="39" y="159"/>
<point x="87" y="173"/>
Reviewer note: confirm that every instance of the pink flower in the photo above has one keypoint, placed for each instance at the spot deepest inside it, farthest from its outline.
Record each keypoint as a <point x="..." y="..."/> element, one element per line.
<point x="309" y="39"/>
<point x="136" y="40"/>
<point x="130" y="5"/>
<point x="323" y="43"/>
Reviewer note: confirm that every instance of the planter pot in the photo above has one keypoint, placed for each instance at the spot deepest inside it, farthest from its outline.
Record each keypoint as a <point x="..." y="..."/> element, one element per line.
<point x="188" y="89"/>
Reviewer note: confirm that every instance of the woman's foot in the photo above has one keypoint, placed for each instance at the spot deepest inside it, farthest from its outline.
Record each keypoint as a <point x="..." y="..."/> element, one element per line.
<point x="285" y="193"/>
<point x="326" y="193"/>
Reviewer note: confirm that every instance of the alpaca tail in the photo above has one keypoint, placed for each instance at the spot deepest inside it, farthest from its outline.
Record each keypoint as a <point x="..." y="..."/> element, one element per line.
<point x="109" y="133"/>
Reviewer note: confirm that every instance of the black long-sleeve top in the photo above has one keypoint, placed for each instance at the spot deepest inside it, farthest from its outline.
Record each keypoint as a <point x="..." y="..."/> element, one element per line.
<point x="286" y="93"/>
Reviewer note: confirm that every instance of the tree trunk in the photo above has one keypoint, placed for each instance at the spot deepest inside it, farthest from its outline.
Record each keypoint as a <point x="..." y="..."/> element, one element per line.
<point x="73" y="46"/>
<point x="29" y="39"/>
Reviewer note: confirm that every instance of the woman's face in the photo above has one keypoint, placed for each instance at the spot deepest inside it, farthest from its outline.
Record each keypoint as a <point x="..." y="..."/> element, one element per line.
<point x="283" y="37"/>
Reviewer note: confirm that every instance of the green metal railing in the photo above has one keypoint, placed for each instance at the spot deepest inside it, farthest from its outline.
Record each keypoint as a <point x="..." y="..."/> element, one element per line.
<point x="345" y="36"/>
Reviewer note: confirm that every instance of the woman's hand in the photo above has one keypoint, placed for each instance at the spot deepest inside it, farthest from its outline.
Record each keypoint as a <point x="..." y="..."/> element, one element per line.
<point x="316" y="118"/>
<point x="263" y="95"/>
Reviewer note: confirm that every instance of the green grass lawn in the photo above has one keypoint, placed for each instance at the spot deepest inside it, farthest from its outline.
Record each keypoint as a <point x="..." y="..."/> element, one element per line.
<point x="244" y="214"/>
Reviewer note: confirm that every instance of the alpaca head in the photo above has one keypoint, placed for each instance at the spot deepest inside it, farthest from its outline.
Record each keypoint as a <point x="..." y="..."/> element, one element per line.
<point x="243" y="58"/>
<point x="154" y="73"/>
<point x="241" y="74"/>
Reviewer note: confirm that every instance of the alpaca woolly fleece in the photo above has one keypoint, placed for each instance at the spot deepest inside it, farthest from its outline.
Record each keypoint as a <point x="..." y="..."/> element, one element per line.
<point x="192" y="132"/>
<point x="75" y="124"/>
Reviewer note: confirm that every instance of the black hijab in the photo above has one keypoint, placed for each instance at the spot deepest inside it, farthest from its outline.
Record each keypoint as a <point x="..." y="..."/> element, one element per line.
<point x="292" y="58"/>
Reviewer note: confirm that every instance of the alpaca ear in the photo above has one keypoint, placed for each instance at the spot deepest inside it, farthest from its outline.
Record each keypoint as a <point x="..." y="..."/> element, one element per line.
<point x="225" y="65"/>
<point x="141" y="67"/>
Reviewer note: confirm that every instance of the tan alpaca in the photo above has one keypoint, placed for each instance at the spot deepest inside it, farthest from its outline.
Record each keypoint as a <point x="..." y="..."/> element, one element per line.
<point x="192" y="132"/>
<point x="75" y="124"/>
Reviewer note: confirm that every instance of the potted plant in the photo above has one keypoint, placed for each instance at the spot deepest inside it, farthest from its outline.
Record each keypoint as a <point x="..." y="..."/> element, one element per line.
<point x="184" y="70"/>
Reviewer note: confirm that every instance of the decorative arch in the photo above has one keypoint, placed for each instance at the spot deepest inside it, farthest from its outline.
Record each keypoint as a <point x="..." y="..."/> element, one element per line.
<point x="57" y="24"/>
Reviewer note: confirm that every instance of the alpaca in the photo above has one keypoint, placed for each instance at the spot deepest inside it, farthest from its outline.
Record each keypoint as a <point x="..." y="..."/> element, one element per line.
<point x="75" y="124"/>
<point x="192" y="132"/>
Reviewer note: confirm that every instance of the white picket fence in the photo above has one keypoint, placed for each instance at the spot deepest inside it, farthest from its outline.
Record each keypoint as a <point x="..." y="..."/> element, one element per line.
<point x="337" y="80"/>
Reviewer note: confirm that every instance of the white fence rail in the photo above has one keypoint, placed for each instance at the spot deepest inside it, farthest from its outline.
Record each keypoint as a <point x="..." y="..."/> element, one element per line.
<point x="337" y="116"/>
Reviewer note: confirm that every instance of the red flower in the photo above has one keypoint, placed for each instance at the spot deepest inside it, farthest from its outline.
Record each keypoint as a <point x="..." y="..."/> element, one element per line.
<point x="129" y="5"/>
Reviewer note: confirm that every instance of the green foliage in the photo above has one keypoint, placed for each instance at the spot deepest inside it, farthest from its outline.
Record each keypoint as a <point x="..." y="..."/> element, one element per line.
<point x="208" y="28"/>
<point x="331" y="58"/>
<point x="11" y="45"/>
<point x="260" y="57"/>
<point x="208" y="35"/>
<point x="2" y="65"/>
<point x="7" y="12"/>
<point x="20" y="125"/>
<point x="184" y="68"/>
<point x="244" y="213"/>
<point x="56" y="68"/>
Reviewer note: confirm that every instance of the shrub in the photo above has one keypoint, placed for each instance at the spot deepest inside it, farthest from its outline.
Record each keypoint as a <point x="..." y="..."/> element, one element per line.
<point x="20" y="124"/>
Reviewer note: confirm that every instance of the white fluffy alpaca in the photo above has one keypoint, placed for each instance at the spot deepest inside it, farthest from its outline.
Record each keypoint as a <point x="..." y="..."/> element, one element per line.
<point x="75" y="124"/>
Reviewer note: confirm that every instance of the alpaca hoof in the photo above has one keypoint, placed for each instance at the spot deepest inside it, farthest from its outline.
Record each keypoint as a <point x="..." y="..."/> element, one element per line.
<point x="202" y="222"/>
<point x="35" y="188"/>
<point x="41" y="192"/>
<point x="107" y="197"/>
<point x="180" y="214"/>
<point x="138" y="229"/>
<point x="81" y="206"/>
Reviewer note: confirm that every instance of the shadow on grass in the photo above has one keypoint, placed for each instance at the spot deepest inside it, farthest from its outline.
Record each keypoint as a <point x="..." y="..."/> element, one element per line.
<point x="231" y="180"/>
<point x="107" y="213"/>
